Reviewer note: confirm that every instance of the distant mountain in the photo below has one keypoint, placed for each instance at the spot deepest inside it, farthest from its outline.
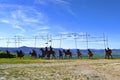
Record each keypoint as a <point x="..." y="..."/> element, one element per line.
<point x="13" y="49"/>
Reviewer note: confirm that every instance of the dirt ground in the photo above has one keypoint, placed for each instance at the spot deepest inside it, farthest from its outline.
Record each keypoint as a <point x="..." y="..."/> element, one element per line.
<point x="69" y="70"/>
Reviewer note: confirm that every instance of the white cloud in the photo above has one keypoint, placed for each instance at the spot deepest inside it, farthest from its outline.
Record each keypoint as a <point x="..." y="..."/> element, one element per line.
<point x="27" y="19"/>
<point x="18" y="27"/>
<point x="40" y="2"/>
<point x="4" y="21"/>
<point x="61" y="2"/>
<point x="44" y="2"/>
<point x="31" y="20"/>
<point x="23" y="18"/>
<point x="58" y="3"/>
<point x="43" y="28"/>
<point x="28" y="15"/>
<point x="13" y="24"/>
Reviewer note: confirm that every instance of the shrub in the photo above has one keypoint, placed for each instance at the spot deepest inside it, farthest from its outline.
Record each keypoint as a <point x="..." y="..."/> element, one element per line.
<point x="4" y="55"/>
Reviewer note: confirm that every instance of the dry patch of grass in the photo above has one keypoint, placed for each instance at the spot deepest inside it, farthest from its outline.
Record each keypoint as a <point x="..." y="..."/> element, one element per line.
<point x="63" y="70"/>
<point x="47" y="73"/>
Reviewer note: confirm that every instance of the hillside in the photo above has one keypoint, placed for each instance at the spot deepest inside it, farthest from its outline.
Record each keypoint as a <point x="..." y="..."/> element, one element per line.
<point x="98" y="53"/>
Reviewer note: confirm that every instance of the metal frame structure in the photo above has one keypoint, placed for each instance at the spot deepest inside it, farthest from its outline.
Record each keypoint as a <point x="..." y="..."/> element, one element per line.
<point x="76" y="37"/>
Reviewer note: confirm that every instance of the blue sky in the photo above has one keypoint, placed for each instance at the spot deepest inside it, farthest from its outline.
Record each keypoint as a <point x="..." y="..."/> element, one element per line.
<point x="29" y="18"/>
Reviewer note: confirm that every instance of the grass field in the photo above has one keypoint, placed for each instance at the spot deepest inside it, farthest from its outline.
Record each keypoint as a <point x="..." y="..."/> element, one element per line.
<point x="27" y="60"/>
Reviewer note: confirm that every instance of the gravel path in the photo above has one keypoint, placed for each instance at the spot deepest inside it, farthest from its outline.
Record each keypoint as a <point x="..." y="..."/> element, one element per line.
<point x="76" y="70"/>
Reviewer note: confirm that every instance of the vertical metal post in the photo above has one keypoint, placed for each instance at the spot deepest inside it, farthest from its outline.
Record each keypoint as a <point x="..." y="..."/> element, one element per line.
<point x="50" y="40"/>
<point x="18" y="41"/>
<point x="60" y="40"/>
<point x="8" y="43"/>
<point x="75" y="41"/>
<point x="15" y="40"/>
<point x="47" y="40"/>
<point x="35" y="40"/>
<point x="87" y="40"/>
<point x="104" y="40"/>
<point x="107" y="42"/>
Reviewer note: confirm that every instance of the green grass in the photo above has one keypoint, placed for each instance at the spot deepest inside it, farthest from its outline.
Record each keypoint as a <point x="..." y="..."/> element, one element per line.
<point x="27" y="60"/>
<point x="22" y="61"/>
